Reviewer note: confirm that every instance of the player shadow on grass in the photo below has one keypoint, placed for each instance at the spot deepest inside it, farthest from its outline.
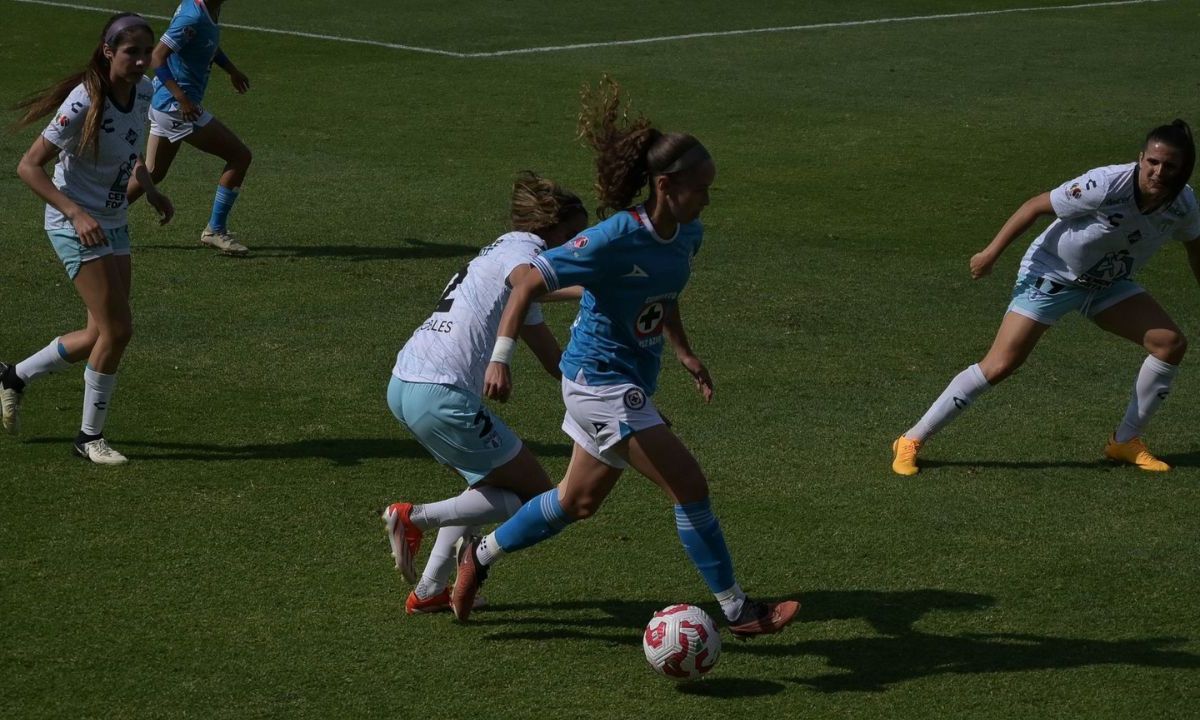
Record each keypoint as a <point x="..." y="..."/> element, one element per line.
<point x="895" y="654"/>
<point x="1018" y="464"/>
<point x="343" y="452"/>
<point x="403" y="249"/>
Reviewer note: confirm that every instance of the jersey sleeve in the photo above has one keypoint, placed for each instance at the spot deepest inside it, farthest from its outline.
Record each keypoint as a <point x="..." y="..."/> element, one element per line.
<point x="534" y="316"/>
<point x="1081" y="196"/>
<point x="179" y="33"/>
<point x="578" y="262"/>
<point x="64" y="129"/>
<point x="1189" y="227"/>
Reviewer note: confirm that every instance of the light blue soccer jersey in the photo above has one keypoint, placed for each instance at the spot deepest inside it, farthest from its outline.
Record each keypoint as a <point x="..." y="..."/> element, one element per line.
<point x="631" y="279"/>
<point x="194" y="37"/>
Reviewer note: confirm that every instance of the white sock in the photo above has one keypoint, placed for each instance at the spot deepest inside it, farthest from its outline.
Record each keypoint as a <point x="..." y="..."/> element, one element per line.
<point x="732" y="601"/>
<point x="98" y="390"/>
<point x="958" y="396"/>
<point x="1152" y="386"/>
<point x="47" y="360"/>
<point x="489" y="550"/>
<point x="441" y="561"/>
<point x="481" y="505"/>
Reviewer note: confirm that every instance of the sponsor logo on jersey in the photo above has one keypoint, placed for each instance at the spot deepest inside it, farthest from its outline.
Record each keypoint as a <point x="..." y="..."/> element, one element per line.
<point x="63" y="120"/>
<point x="580" y="242"/>
<point x="634" y="399"/>
<point x="131" y="136"/>
<point x="636" y="272"/>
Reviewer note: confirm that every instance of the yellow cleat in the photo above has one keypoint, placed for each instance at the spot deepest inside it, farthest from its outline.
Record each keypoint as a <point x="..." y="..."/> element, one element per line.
<point x="905" y="460"/>
<point x="1134" y="452"/>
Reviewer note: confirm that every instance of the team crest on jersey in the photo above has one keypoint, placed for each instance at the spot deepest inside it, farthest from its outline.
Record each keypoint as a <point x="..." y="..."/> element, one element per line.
<point x="635" y="399"/>
<point x="1075" y="191"/>
<point x="63" y="120"/>
<point x="649" y="320"/>
<point x="580" y="242"/>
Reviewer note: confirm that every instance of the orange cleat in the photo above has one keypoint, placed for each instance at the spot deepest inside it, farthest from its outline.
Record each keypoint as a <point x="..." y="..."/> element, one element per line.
<point x="404" y="537"/>
<point x="905" y="452"/>
<point x="1133" y="452"/>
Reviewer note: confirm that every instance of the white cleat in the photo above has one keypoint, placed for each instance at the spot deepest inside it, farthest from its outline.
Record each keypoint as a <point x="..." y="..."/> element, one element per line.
<point x="100" y="452"/>
<point x="10" y="407"/>
<point x="224" y="241"/>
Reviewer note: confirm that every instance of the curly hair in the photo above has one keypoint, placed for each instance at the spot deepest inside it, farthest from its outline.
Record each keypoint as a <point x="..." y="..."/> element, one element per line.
<point x="1179" y="136"/>
<point x="95" y="80"/>
<point x="629" y="150"/>
<point x="539" y="203"/>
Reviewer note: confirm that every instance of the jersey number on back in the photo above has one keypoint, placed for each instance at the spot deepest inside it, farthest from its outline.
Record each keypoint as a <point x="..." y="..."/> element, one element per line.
<point x="446" y="302"/>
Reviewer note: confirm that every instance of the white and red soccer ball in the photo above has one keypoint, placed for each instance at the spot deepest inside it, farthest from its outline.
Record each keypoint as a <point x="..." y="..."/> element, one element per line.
<point x="681" y="642"/>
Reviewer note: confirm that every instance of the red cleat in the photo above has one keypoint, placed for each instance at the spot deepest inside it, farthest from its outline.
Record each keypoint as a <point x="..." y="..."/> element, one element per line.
<point x="762" y="618"/>
<point x="404" y="537"/>
<point x="438" y="603"/>
<point x="471" y="575"/>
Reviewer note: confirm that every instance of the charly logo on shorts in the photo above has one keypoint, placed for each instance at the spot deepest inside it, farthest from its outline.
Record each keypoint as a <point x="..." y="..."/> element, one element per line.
<point x="635" y="399"/>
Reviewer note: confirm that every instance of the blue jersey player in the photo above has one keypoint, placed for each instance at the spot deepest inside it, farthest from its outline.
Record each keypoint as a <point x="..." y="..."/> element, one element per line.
<point x="633" y="266"/>
<point x="182" y="63"/>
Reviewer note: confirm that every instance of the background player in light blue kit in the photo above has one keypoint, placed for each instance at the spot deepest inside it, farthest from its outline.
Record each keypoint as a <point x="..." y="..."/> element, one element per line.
<point x="96" y="137"/>
<point x="633" y="267"/>
<point x="183" y="61"/>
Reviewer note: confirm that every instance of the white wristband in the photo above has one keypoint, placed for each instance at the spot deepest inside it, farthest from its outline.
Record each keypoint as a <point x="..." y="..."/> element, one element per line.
<point x="503" y="351"/>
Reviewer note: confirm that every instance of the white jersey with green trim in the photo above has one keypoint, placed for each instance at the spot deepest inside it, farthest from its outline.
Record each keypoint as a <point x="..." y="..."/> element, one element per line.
<point x="1100" y="235"/>
<point x="454" y="345"/>
<point x="96" y="182"/>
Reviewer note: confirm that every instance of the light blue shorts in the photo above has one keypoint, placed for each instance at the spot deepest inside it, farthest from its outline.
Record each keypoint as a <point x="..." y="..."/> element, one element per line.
<point x="74" y="253"/>
<point x="1046" y="301"/>
<point x="454" y="426"/>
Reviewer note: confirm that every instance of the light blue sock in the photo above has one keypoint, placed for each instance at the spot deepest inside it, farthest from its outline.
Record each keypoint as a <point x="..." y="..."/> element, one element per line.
<point x="221" y="207"/>
<point x="539" y="519"/>
<point x="705" y="544"/>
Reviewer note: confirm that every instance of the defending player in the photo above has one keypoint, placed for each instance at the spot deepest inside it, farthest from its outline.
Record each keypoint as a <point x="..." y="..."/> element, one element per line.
<point x="633" y="267"/>
<point x="183" y="61"/>
<point x="96" y="134"/>
<point x="1109" y="222"/>
<point x="436" y="383"/>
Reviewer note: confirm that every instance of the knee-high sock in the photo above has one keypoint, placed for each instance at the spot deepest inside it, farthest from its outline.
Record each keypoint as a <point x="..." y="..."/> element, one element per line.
<point x="958" y="396"/>
<point x="441" y="561"/>
<point x="704" y="542"/>
<point x="481" y="505"/>
<point x="97" y="396"/>
<point x="539" y="519"/>
<point x="1152" y="386"/>
<point x="51" y="358"/>
<point x="222" y="204"/>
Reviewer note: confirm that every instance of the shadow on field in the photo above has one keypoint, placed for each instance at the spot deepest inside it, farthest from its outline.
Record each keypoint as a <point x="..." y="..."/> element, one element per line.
<point x="1191" y="459"/>
<point x="895" y="654"/>
<point x="404" y="249"/>
<point x="344" y="452"/>
<point x="1017" y="464"/>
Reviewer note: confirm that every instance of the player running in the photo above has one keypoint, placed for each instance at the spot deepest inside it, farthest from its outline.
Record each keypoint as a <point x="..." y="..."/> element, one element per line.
<point x="1109" y="222"/>
<point x="95" y="134"/>
<point x="183" y="61"/>
<point x="633" y="267"/>
<point x="436" y="383"/>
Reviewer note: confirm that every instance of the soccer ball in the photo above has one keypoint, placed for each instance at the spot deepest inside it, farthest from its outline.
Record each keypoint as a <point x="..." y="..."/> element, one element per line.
<point x="681" y="642"/>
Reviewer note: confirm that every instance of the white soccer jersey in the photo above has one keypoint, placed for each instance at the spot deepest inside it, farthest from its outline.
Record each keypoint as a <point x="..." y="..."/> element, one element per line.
<point x="97" y="184"/>
<point x="1100" y="236"/>
<point x="454" y="346"/>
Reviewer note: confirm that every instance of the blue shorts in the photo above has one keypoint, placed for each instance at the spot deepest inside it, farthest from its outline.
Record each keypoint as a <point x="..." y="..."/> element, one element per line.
<point x="1045" y="301"/>
<point x="74" y="254"/>
<point x="454" y="426"/>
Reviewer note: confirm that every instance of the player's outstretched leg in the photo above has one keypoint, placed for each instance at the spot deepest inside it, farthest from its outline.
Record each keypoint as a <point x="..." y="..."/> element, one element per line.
<point x="660" y="456"/>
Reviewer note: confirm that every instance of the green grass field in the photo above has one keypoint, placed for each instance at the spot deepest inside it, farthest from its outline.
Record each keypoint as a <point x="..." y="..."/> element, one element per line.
<point x="236" y="567"/>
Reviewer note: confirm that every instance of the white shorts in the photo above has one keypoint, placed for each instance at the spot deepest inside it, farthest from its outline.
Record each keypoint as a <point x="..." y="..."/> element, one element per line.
<point x="173" y="127"/>
<point x="599" y="417"/>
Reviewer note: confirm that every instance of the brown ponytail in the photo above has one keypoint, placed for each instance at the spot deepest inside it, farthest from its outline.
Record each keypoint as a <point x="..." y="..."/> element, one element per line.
<point x="629" y="152"/>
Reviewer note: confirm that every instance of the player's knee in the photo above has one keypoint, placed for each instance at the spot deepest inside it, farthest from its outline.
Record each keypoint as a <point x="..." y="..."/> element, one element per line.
<point x="1167" y="345"/>
<point x="242" y="158"/>
<point x="118" y="333"/>
<point x="999" y="368"/>
<point x="582" y="507"/>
